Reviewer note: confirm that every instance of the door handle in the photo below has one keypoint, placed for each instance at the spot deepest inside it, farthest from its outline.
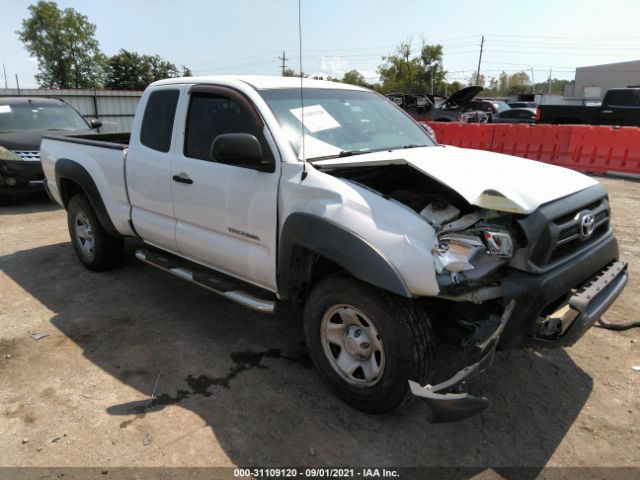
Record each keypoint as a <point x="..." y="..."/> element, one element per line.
<point x="606" y="111"/>
<point x="182" y="178"/>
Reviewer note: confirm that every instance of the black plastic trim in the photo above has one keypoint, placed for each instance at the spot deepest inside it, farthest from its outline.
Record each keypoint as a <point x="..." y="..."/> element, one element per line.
<point x="91" y="140"/>
<point x="339" y="245"/>
<point x="66" y="169"/>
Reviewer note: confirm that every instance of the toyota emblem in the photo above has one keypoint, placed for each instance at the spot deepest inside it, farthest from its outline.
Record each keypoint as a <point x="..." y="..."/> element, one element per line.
<point x="587" y="224"/>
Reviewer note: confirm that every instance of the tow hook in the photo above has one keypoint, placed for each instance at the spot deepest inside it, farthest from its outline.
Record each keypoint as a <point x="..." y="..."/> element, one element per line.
<point x="448" y="401"/>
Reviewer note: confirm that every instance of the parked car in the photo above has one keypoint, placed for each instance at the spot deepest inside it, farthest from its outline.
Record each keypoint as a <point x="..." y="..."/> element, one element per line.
<point x="413" y="103"/>
<point x="348" y="210"/>
<point x="23" y="121"/>
<point x="620" y="106"/>
<point x="522" y="104"/>
<point x="491" y="107"/>
<point x="459" y="107"/>
<point x="516" y="115"/>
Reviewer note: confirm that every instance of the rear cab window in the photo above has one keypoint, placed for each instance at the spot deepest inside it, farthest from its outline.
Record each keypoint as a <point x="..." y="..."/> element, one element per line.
<point x="157" y="122"/>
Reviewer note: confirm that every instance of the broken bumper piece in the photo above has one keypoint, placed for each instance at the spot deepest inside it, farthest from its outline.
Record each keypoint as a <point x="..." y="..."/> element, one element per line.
<point x="447" y="400"/>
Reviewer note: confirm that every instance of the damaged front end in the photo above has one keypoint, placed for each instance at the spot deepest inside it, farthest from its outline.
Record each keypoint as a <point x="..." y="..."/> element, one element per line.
<point x="448" y="400"/>
<point x="512" y="271"/>
<point x="470" y="250"/>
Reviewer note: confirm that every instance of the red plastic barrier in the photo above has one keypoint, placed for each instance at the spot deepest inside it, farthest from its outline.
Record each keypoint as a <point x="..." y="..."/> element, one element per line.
<point x="587" y="148"/>
<point x="536" y="142"/>
<point x="470" y="135"/>
<point x="603" y="149"/>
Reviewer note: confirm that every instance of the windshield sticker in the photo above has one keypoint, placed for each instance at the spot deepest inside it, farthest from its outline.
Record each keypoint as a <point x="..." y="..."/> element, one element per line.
<point x="5" y="109"/>
<point x="316" y="118"/>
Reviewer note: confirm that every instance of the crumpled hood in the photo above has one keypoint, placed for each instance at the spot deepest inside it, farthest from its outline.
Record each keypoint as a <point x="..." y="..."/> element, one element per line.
<point x="485" y="179"/>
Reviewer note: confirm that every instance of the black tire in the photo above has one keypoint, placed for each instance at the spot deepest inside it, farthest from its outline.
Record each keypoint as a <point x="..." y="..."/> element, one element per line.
<point x="404" y="330"/>
<point x="106" y="250"/>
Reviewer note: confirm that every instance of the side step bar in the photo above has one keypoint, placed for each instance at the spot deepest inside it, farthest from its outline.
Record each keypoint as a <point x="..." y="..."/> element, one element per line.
<point x="206" y="279"/>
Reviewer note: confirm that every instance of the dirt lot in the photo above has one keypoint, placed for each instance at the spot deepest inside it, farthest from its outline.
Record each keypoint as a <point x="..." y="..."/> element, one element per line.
<point x="237" y="388"/>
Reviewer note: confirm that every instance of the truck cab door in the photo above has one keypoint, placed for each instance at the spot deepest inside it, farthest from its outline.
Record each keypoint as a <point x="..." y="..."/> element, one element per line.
<point x="620" y="107"/>
<point x="226" y="213"/>
<point x="148" y="167"/>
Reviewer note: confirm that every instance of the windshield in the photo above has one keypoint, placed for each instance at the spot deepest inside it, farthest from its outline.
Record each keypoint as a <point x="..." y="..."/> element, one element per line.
<point x="39" y="116"/>
<point x="343" y="122"/>
<point x="501" y="106"/>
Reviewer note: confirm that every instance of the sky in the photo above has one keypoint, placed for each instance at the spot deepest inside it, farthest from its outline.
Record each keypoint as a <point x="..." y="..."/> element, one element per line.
<point x="248" y="36"/>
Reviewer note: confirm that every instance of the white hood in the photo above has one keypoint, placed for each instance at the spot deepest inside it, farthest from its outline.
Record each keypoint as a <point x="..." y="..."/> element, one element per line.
<point x="486" y="179"/>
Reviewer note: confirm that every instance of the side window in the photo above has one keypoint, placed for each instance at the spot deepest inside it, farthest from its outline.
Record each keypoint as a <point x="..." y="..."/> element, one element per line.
<point x="157" y="123"/>
<point x="213" y="115"/>
<point x="620" y="98"/>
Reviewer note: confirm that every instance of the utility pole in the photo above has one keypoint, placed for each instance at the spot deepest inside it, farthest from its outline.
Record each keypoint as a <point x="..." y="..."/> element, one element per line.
<point x="479" y="61"/>
<point x="18" y="84"/>
<point x="5" y="76"/>
<point x="533" y="82"/>
<point x="549" y="82"/>
<point x="284" y="65"/>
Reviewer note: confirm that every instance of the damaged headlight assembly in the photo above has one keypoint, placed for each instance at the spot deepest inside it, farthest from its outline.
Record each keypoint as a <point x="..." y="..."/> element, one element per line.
<point x="466" y="246"/>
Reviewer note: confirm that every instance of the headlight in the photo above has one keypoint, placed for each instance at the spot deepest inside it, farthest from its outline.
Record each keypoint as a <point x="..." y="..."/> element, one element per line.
<point x="455" y="252"/>
<point x="8" y="155"/>
<point x="459" y="252"/>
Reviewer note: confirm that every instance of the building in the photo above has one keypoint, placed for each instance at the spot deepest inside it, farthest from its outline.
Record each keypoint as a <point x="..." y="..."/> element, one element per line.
<point x="592" y="82"/>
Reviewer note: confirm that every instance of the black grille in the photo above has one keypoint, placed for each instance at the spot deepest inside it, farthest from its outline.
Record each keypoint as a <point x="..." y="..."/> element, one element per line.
<point x="569" y="237"/>
<point x="569" y="232"/>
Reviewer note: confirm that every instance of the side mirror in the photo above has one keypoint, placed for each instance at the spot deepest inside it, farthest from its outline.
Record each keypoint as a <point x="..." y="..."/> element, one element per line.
<point x="241" y="149"/>
<point x="95" y="123"/>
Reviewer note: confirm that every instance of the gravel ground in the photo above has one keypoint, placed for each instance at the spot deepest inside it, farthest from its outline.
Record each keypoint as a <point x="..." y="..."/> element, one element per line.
<point x="236" y="387"/>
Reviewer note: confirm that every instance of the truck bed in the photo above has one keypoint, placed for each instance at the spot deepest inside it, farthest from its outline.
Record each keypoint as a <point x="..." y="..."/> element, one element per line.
<point x="102" y="157"/>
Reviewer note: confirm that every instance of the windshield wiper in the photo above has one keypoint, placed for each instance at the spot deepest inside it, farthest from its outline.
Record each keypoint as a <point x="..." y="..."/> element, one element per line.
<point x="342" y="154"/>
<point x="413" y="145"/>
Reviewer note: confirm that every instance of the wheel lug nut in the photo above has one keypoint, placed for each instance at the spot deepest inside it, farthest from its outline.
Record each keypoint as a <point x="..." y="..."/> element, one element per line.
<point x="357" y="333"/>
<point x="365" y="345"/>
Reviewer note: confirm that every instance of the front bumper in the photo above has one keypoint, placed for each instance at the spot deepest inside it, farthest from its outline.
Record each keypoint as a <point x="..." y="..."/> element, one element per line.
<point x="585" y="288"/>
<point x="538" y="296"/>
<point x="20" y="176"/>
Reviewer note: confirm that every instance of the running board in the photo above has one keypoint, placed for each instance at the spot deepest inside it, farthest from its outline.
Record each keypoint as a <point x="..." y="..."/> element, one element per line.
<point x="206" y="279"/>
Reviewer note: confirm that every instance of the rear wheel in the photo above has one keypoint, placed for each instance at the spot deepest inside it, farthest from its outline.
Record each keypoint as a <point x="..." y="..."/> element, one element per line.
<point x="367" y="343"/>
<point x="95" y="248"/>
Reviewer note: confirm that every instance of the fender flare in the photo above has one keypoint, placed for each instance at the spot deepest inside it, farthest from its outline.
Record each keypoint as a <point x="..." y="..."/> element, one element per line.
<point x="66" y="169"/>
<point x="343" y="247"/>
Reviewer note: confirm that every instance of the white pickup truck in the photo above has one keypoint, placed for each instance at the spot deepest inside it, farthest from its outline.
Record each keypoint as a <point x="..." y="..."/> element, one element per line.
<point x="348" y="209"/>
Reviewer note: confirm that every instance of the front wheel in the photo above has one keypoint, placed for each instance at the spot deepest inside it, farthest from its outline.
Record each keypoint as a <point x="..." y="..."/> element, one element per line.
<point x="95" y="248"/>
<point x="367" y="343"/>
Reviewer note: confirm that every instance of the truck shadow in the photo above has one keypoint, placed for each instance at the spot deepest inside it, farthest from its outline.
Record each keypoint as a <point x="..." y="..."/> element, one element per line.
<point x="29" y="203"/>
<point x="249" y="378"/>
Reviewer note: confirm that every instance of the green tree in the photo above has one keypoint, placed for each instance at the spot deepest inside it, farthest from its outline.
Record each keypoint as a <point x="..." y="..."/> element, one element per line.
<point x="557" y="86"/>
<point x="132" y="71"/>
<point x="354" y="77"/>
<point x="64" y="44"/>
<point x="186" y="72"/>
<point x="401" y="73"/>
<point x="518" y="83"/>
<point x="434" y="74"/>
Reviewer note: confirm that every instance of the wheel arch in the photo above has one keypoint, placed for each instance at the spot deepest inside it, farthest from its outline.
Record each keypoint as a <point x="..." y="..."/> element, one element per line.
<point x="72" y="179"/>
<point x="312" y="247"/>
